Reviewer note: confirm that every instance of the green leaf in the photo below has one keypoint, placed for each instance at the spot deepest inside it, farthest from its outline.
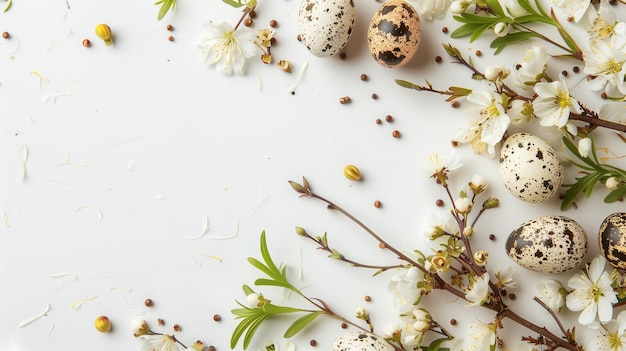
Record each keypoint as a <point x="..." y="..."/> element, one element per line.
<point x="500" y="43"/>
<point x="301" y="323"/>
<point x="166" y="5"/>
<point x="465" y="30"/>
<point x="252" y="328"/>
<point x="564" y="34"/>
<point x="476" y="19"/>
<point x="271" y="282"/>
<point x="335" y="255"/>
<point x="234" y="3"/>
<point x="8" y="6"/>
<point x="409" y="85"/>
<point x="479" y="31"/>
<point x="616" y="194"/>
<point x="495" y="6"/>
<point x="435" y="345"/>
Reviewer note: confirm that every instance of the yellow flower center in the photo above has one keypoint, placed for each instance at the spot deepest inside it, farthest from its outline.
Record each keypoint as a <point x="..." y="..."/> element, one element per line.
<point x="563" y="99"/>
<point x="612" y="66"/>
<point x="615" y="341"/>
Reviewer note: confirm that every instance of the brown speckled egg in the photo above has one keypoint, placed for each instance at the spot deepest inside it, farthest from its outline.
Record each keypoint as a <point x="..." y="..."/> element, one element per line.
<point x="530" y="168"/>
<point x="612" y="237"/>
<point x="326" y="25"/>
<point x="548" y="244"/>
<point x="361" y="341"/>
<point x="394" y="33"/>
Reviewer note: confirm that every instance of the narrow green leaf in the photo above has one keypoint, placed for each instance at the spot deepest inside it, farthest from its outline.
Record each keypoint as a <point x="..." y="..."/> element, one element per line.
<point x="252" y="328"/>
<point x="476" y="19"/>
<point x="8" y="6"/>
<point x="335" y="254"/>
<point x="479" y="31"/>
<point x="616" y="194"/>
<point x="239" y="330"/>
<point x="301" y="323"/>
<point x="495" y="6"/>
<point x="247" y="290"/>
<point x="500" y="43"/>
<point x="266" y="254"/>
<point x="464" y="30"/>
<point x="260" y="266"/>
<point x="234" y="3"/>
<point x="409" y="85"/>
<point x="165" y="7"/>
<point x="271" y="282"/>
<point x="436" y="344"/>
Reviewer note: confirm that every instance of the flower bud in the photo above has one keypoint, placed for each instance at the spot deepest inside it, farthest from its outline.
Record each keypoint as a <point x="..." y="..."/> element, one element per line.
<point x="612" y="183"/>
<point x="433" y="232"/>
<point x="257" y="300"/>
<point x="494" y="73"/>
<point x="463" y="205"/>
<point x="300" y="231"/>
<point x="468" y="231"/>
<point x="392" y="332"/>
<point x="501" y="29"/>
<point x="103" y="324"/>
<point x="361" y="313"/>
<point x="520" y="112"/>
<point x="140" y="327"/>
<point x="478" y="184"/>
<point x="584" y="147"/>
<point x="480" y="257"/>
<point x="103" y="32"/>
<point x="491" y="202"/>
<point x="457" y="7"/>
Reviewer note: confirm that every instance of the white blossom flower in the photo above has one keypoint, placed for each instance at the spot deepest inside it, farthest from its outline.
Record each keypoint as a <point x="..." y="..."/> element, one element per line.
<point x="437" y="225"/>
<point x="441" y="164"/>
<point x="491" y="115"/>
<point x="159" y="343"/>
<point x="603" y="25"/>
<point x="463" y="205"/>
<point x="584" y="147"/>
<point x="513" y="8"/>
<point x="430" y="9"/>
<point x="139" y="327"/>
<point x="531" y="69"/>
<point x="411" y="337"/>
<point x="612" y="183"/>
<point x="552" y="293"/>
<point x="610" y="336"/>
<point x="226" y="48"/>
<point x="403" y="287"/>
<point x="520" y="112"/>
<point x="606" y="64"/>
<point x="481" y="337"/>
<point x="506" y="277"/>
<point x="592" y="293"/>
<point x="575" y="9"/>
<point x="494" y="73"/>
<point x="392" y="331"/>
<point x="458" y="6"/>
<point x="479" y="293"/>
<point x="501" y="29"/>
<point x="554" y="103"/>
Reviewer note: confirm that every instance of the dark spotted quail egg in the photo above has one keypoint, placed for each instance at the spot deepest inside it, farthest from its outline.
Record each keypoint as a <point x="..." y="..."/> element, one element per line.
<point x="530" y="168"/>
<point x="361" y="341"/>
<point x="394" y="33"/>
<point x="612" y="237"/>
<point x="548" y="244"/>
<point x="326" y="25"/>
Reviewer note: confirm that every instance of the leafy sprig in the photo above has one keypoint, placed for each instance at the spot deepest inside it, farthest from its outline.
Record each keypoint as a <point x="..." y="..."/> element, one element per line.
<point x="594" y="171"/>
<point x="166" y="6"/>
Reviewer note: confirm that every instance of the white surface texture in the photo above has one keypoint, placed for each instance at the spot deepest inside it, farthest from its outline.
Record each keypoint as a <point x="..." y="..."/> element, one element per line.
<point x="155" y="177"/>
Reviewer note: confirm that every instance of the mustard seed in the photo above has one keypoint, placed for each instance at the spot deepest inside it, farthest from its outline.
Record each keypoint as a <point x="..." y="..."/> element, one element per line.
<point x="377" y="204"/>
<point x="455" y="104"/>
<point x="367" y="298"/>
<point x="453" y="321"/>
<point x="170" y="38"/>
<point x="313" y="342"/>
<point x="343" y="56"/>
<point x="439" y="203"/>
<point x="273" y="23"/>
<point x="382" y="245"/>
<point x="344" y="325"/>
<point x="389" y="118"/>
<point x="299" y="37"/>
<point x="518" y="66"/>
<point x="148" y="303"/>
<point x="378" y="121"/>
<point x="176" y="328"/>
<point x="170" y="27"/>
<point x="444" y="29"/>
<point x="6" y="35"/>
<point x="479" y="53"/>
<point x="604" y="96"/>
<point x="273" y="41"/>
<point x="252" y="14"/>
<point x="345" y="100"/>
<point x="492" y="237"/>
<point x="211" y="348"/>
<point x="160" y="322"/>
<point x="86" y="43"/>
<point x="375" y="96"/>
<point x="564" y="73"/>
<point x="576" y="69"/>
<point x="395" y="134"/>
<point x="363" y="77"/>
<point x="438" y="59"/>
<point x="217" y="317"/>
<point x="247" y="22"/>
<point x="512" y="296"/>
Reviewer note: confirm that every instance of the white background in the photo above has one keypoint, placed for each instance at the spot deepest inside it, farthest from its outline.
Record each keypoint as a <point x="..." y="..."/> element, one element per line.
<point x="158" y="144"/>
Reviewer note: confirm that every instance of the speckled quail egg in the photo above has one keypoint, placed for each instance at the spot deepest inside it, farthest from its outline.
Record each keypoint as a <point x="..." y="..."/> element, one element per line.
<point x="361" y="341"/>
<point x="394" y="33"/>
<point x="326" y="25"/>
<point x="530" y="168"/>
<point x="548" y="244"/>
<point x="612" y="237"/>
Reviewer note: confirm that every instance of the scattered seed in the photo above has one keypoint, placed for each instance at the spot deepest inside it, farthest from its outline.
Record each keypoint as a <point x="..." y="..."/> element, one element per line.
<point x="345" y="100"/>
<point x="86" y="43"/>
<point x="382" y="245"/>
<point x="299" y="37"/>
<point x="512" y="296"/>
<point x="217" y="317"/>
<point x="247" y="22"/>
<point x="439" y="202"/>
<point x="389" y="118"/>
<point x="367" y="298"/>
<point x="6" y="35"/>
<point x="604" y="96"/>
<point x="170" y="27"/>
<point x="564" y="73"/>
<point x="479" y="53"/>
<point x="170" y="38"/>
<point x="211" y="348"/>
<point x="395" y="134"/>
<point x="148" y="303"/>
<point x="273" y="41"/>
<point x="375" y="96"/>
<point x="518" y="66"/>
<point x="343" y="56"/>
<point x="576" y="69"/>
<point x="176" y="328"/>
<point x="571" y="19"/>
<point x="444" y="29"/>
<point x="252" y="14"/>
<point x="379" y="121"/>
<point x="492" y="237"/>
<point x="313" y="342"/>
<point x="438" y="59"/>
<point x="455" y="104"/>
<point x="160" y="322"/>
<point x="455" y="143"/>
<point x="377" y="204"/>
<point x="363" y="77"/>
<point x="453" y="321"/>
<point x="273" y="23"/>
<point x="344" y="325"/>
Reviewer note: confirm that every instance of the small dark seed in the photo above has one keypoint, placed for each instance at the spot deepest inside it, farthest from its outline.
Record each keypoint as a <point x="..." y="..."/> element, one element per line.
<point x="247" y="22"/>
<point x="374" y="96"/>
<point x="273" y="23"/>
<point x="363" y="77"/>
<point x="273" y="41"/>
<point x="439" y="202"/>
<point x="492" y="237"/>
<point x="299" y="37"/>
<point x="344" y="325"/>
<point x="438" y="59"/>
<point x="395" y="134"/>
<point x="604" y="96"/>
<point x="512" y="296"/>
<point x="378" y="121"/>
<point x="86" y="43"/>
<point x="455" y="104"/>
<point x="564" y="73"/>
<point x="576" y="69"/>
<point x="313" y="343"/>
<point x="211" y="348"/>
<point x="149" y="302"/>
<point x="252" y="14"/>
<point x="170" y="27"/>
<point x="217" y="317"/>
<point x="343" y="56"/>
<point x="6" y="35"/>
<point x="367" y="298"/>
<point x="377" y="204"/>
<point x="518" y="66"/>
<point x="479" y="53"/>
<point x="389" y="118"/>
<point x="444" y="29"/>
<point x="453" y="321"/>
<point x="160" y="322"/>
<point x="176" y="328"/>
<point x="170" y="38"/>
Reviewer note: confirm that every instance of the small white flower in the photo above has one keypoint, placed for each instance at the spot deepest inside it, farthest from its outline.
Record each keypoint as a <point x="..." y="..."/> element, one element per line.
<point x="226" y="48"/>
<point x="584" y="147"/>
<point x="481" y="337"/>
<point x="609" y="337"/>
<point x="520" y="112"/>
<point x="430" y="9"/>
<point x="506" y="277"/>
<point x="531" y="69"/>
<point x="606" y="64"/>
<point x="438" y="225"/>
<point x="592" y="293"/>
<point x="392" y="331"/>
<point x="139" y="327"/>
<point x="458" y="6"/>
<point x="604" y="26"/>
<point x="501" y="29"/>
<point x="552" y="293"/>
<point x="403" y="287"/>
<point x="489" y="115"/>
<point x="441" y="164"/>
<point x="479" y="293"/>
<point x="554" y="103"/>
<point x="463" y="205"/>
<point x="256" y="300"/>
<point x="361" y="313"/>
<point x="494" y="73"/>
<point x="612" y="183"/>
<point x="575" y="9"/>
<point x="159" y="343"/>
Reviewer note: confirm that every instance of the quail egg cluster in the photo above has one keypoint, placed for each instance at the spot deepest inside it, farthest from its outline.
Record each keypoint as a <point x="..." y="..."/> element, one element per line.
<point x="394" y="33"/>
<point x="361" y="341"/>
<point x="548" y="244"/>
<point x="612" y="238"/>
<point x="530" y="168"/>
<point x="325" y="26"/>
